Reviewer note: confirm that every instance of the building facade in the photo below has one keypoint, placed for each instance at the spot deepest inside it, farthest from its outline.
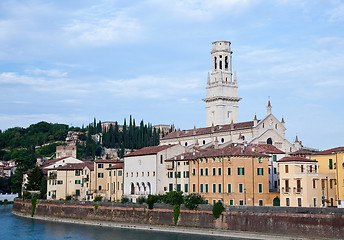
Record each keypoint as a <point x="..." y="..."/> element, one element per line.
<point x="303" y="186"/>
<point x="145" y="171"/>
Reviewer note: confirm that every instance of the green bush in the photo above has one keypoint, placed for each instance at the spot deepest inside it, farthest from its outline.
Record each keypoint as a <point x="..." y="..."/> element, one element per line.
<point x="151" y="200"/>
<point x="124" y="199"/>
<point x="98" y="198"/>
<point x="27" y="195"/>
<point x="33" y="205"/>
<point x="192" y="201"/>
<point x="96" y="205"/>
<point x="68" y="197"/>
<point x="141" y="199"/>
<point x="176" y="211"/>
<point x="174" y="198"/>
<point x="218" y="209"/>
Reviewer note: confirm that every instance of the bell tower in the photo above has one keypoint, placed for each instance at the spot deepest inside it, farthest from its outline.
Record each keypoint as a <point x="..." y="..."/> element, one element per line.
<point x="222" y="101"/>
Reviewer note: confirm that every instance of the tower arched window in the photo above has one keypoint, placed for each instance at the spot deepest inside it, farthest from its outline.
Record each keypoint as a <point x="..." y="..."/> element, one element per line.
<point x="220" y="64"/>
<point x="226" y="62"/>
<point x="269" y="141"/>
<point x="186" y="144"/>
<point x="215" y="62"/>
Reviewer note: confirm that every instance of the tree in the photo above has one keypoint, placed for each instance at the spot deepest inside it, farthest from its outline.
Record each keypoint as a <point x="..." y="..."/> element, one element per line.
<point x="192" y="201"/>
<point x="35" y="179"/>
<point x="43" y="188"/>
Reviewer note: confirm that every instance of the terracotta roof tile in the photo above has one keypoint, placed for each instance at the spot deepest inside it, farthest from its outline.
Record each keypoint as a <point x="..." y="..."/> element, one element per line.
<point x="118" y="165"/>
<point x="77" y="166"/>
<point x="106" y="161"/>
<point x="302" y="152"/>
<point x="148" y="150"/>
<point x="265" y="148"/>
<point x="331" y="151"/>
<point x="295" y="159"/>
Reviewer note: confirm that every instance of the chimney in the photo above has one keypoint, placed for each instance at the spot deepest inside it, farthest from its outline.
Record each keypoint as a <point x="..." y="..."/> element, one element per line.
<point x="269" y="108"/>
<point x="216" y="146"/>
<point x="255" y="120"/>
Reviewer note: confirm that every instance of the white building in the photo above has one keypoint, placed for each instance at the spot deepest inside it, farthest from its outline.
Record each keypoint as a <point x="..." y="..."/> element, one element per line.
<point x="222" y="113"/>
<point x="145" y="171"/>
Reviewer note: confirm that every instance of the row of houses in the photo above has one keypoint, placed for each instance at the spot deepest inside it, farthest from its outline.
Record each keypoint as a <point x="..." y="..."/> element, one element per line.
<point x="258" y="174"/>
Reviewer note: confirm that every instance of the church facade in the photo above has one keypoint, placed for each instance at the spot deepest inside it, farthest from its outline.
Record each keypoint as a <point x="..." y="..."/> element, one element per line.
<point x="222" y="110"/>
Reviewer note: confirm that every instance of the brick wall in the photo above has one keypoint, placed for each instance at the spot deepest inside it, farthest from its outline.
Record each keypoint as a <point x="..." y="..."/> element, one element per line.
<point x="306" y="222"/>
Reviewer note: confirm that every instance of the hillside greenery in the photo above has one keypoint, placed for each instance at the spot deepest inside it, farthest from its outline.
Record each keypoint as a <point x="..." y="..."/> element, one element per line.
<point x="24" y="145"/>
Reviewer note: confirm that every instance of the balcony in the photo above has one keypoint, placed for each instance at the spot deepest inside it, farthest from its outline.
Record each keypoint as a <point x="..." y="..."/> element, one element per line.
<point x="285" y="190"/>
<point x="297" y="190"/>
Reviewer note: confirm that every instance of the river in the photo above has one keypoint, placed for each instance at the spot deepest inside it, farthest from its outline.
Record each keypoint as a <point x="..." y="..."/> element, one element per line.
<point x="14" y="227"/>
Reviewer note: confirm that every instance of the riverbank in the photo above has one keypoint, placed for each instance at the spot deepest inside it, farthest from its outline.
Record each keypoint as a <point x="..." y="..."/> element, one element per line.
<point x="183" y="230"/>
<point x="236" y="222"/>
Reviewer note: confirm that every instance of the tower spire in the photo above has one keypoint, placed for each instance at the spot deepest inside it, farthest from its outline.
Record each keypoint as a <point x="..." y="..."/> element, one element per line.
<point x="269" y="108"/>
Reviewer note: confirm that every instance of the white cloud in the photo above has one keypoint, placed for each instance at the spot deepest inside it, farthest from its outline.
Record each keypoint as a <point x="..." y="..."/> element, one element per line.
<point x="336" y="13"/>
<point x="49" y="73"/>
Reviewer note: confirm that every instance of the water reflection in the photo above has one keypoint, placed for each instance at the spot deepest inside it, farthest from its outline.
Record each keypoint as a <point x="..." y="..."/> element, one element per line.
<point x="13" y="227"/>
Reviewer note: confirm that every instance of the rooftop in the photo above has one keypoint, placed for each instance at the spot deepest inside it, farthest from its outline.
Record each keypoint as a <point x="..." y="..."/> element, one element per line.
<point x="148" y="150"/>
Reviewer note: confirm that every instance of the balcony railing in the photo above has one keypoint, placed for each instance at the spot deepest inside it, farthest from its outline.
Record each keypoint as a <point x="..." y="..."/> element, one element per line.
<point x="285" y="190"/>
<point x="298" y="190"/>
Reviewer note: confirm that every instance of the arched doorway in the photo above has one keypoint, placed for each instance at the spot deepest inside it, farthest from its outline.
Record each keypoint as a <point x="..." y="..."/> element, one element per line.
<point x="132" y="190"/>
<point x="276" y="201"/>
<point x="269" y="141"/>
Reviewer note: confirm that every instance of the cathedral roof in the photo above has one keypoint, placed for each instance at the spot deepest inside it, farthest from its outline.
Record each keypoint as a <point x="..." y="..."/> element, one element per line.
<point x="206" y="130"/>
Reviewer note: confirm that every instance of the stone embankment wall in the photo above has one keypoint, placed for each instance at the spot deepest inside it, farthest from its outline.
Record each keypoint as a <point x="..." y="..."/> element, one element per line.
<point x="307" y="222"/>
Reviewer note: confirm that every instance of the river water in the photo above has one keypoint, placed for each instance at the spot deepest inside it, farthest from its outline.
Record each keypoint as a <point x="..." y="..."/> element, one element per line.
<point x="14" y="227"/>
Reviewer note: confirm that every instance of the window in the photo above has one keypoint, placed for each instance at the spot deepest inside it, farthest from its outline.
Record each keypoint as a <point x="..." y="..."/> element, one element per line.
<point x="147" y="174"/>
<point x="311" y="168"/>
<point x="170" y="187"/>
<point x="214" y="201"/>
<point x="193" y="187"/>
<point x="219" y="171"/>
<point x="99" y="187"/>
<point x="314" y="183"/>
<point x="220" y="188"/>
<point x="260" y="171"/>
<point x="260" y="188"/>
<point x="119" y="173"/>
<point x="206" y="172"/>
<point x="229" y="188"/>
<point x="110" y="165"/>
<point x="160" y="159"/>
<point x="187" y="174"/>
<point x="241" y="202"/>
<point x="100" y="165"/>
<point x="274" y="158"/>
<point x="153" y="173"/>
<point x="241" y="171"/>
<point x="109" y="173"/>
<point x="206" y="188"/>
<point x="299" y="202"/>
<point x="323" y="183"/>
<point x="114" y="173"/>
<point x="59" y="181"/>
<point x="241" y="187"/>
<point x="186" y="188"/>
<point x="331" y="183"/>
<point x="286" y="169"/>
<point x="286" y="185"/>
<point x="301" y="168"/>
<point x="193" y="171"/>
<point x="201" y="171"/>
<point x="229" y="171"/>
<point x="226" y="62"/>
<point x="275" y="170"/>
<point x="314" y="202"/>
<point x="231" y="202"/>
<point x="100" y="175"/>
<point x="77" y="181"/>
<point x="214" y="171"/>
<point x="179" y="188"/>
<point x="77" y="192"/>
<point x="287" y="202"/>
<point x="201" y="186"/>
<point x="77" y="172"/>
<point x="330" y="164"/>
<point x="214" y="188"/>
<point x="260" y="202"/>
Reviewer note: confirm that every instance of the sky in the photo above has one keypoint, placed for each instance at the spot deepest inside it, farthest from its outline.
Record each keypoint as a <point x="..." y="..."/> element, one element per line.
<point x="72" y="61"/>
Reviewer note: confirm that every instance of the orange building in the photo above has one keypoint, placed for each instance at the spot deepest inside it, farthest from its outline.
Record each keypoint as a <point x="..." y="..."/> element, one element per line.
<point x="235" y="176"/>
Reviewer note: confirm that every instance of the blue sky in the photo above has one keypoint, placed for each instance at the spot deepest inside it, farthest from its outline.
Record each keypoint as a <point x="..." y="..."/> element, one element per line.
<point x="70" y="61"/>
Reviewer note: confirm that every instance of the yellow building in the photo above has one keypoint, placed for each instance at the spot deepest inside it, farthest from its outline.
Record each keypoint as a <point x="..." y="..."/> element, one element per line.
<point x="71" y="179"/>
<point x="301" y="185"/>
<point x="235" y="176"/>
<point x="332" y="161"/>
<point x="101" y="184"/>
<point x="115" y="182"/>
